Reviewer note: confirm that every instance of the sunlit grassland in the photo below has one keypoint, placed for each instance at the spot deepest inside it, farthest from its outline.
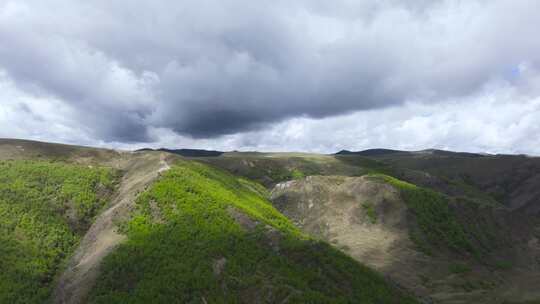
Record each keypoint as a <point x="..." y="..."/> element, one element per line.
<point x="44" y="209"/>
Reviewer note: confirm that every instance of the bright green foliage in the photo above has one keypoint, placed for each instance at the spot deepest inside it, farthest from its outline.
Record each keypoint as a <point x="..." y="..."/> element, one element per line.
<point x="297" y="174"/>
<point x="437" y="222"/>
<point x="184" y="225"/>
<point x="43" y="206"/>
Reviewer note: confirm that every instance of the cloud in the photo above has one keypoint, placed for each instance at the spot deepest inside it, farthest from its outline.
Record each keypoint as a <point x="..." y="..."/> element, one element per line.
<point x="208" y="69"/>
<point x="25" y="116"/>
<point x="472" y="124"/>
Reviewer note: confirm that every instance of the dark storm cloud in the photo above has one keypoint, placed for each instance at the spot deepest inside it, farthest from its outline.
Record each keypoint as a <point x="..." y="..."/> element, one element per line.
<point x="208" y="68"/>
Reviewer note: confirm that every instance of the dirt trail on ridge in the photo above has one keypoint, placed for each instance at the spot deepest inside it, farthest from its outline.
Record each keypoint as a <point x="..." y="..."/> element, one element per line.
<point x="103" y="236"/>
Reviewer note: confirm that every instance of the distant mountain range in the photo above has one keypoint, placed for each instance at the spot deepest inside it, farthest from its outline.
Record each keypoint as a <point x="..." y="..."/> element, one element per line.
<point x="186" y="152"/>
<point x="386" y="152"/>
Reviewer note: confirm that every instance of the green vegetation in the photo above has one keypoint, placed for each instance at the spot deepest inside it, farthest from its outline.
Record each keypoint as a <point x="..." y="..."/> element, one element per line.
<point x="459" y="268"/>
<point x="297" y="174"/>
<point x="44" y="208"/>
<point x="503" y="265"/>
<point x="466" y="190"/>
<point x="369" y="165"/>
<point x="272" y="169"/>
<point x="437" y="223"/>
<point x="370" y="212"/>
<point x="186" y="245"/>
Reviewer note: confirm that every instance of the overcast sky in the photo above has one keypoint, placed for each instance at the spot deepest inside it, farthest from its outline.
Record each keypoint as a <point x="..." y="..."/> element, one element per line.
<point x="280" y="75"/>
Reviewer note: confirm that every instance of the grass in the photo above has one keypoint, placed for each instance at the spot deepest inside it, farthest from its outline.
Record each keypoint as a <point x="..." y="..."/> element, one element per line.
<point x="370" y="212"/>
<point x="44" y="209"/>
<point x="272" y="170"/>
<point x="173" y="259"/>
<point x="369" y="165"/>
<point x="437" y="223"/>
<point x="503" y="265"/>
<point x="297" y="174"/>
<point x="459" y="268"/>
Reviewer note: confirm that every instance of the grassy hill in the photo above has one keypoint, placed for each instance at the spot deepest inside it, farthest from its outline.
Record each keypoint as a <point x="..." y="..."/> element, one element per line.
<point x="510" y="180"/>
<point x="45" y="208"/>
<point x="455" y="241"/>
<point x="197" y="234"/>
<point x="201" y="235"/>
<point x="370" y="227"/>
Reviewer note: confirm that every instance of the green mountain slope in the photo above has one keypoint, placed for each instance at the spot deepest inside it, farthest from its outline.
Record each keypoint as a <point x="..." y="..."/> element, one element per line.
<point x="200" y="235"/>
<point x="510" y="180"/>
<point x="44" y="210"/>
<point x="252" y="227"/>
<point x="453" y="242"/>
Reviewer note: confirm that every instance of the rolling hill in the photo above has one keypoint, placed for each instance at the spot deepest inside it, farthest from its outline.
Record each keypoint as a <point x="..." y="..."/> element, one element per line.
<point x="85" y="225"/>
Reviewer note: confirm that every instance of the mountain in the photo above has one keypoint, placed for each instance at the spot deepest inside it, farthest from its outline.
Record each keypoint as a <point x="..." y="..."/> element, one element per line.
<point x="450" y="227"/>
<point x="389" y="152"/>
<point x="151" y="226"/>
<point x="371" y="152"/>
<point x="86" y="225"/>
<point x="186" y="152"/>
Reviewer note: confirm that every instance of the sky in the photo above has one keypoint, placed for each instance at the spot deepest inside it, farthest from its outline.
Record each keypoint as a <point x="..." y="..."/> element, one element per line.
<point x="281" y="75"/>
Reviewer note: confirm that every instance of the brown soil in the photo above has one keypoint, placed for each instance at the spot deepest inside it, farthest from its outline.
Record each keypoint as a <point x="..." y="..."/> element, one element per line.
<point x="103" y="236"/>
<point x="139" y="171"/>
<point x="368" y="220"/>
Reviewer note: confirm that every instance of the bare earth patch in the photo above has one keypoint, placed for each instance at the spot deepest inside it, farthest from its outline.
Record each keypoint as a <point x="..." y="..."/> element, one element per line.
<point x="333" y="208"/>
<point x="103" y="236"/>
<point x="369" y="221"/>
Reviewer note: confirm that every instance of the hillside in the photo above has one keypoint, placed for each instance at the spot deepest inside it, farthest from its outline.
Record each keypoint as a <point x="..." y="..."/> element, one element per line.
<point x="446" y="239"/>
<point x="85" y="225"/>
<point x="45" y="209"/>
<point x="158" y="228"/>
<point x="202" y="235"/>
<point x="510" y="180"/>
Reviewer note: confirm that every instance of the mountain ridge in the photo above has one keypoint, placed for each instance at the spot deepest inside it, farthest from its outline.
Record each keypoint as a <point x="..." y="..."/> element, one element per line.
<point x="444" y="228"/>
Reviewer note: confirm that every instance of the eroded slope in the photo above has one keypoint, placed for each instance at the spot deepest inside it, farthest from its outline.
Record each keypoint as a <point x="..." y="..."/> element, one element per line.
<point x="200" y="235"/>
<point x="73" y="214"/>
<point x="103" y="236"/>
<point x="444" y="249"/>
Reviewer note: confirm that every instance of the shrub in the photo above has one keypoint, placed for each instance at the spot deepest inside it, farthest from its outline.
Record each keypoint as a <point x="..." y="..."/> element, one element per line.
<point x="44" y="208"/>
<point x="459" y="268"/>
<point x="370" y="212"/>
<point x="436" y="221"/>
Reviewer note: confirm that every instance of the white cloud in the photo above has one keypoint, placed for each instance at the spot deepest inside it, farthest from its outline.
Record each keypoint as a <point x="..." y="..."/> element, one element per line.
<point x="23" y="115"/>
<point x="495" y="121"/>
<point x="240" y="74"/>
